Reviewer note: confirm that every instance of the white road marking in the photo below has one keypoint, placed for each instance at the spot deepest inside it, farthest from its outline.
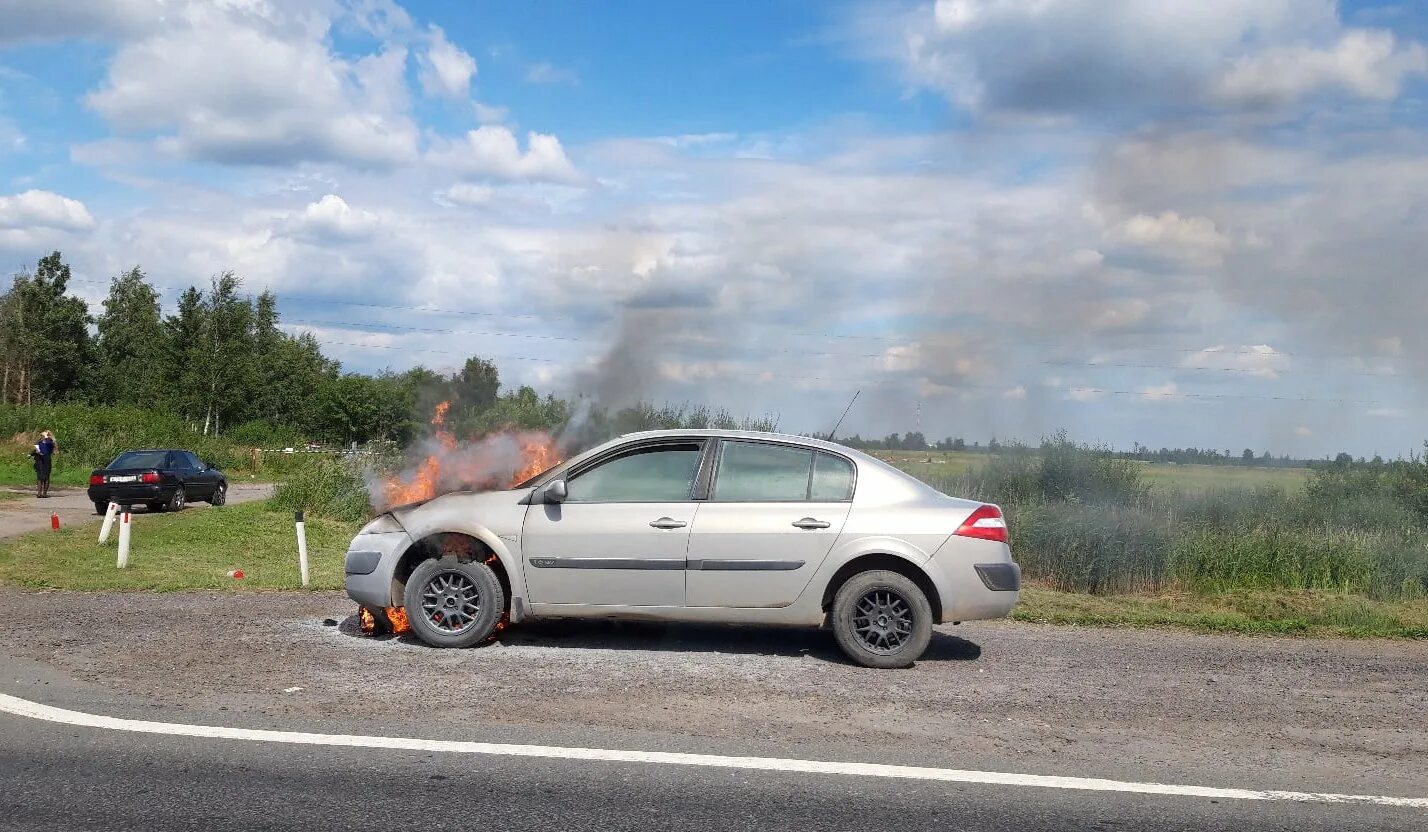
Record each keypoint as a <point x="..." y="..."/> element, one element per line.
<point x="47" y="713"/>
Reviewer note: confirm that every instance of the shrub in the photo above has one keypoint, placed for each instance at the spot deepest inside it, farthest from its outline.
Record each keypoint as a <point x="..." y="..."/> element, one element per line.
<point x="326" y="488"/>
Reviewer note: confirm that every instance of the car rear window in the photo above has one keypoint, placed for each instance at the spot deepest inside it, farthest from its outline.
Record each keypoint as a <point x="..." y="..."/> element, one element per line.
<point x="141" y="459"/>
<point x="832" y="479"/>
<point x="758" y="472"/>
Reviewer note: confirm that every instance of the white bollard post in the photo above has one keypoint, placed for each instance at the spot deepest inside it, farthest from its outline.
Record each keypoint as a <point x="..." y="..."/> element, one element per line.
<point x="302" y="545"/>
<point x="124" y="540"/>
<point x="108" y="522"/>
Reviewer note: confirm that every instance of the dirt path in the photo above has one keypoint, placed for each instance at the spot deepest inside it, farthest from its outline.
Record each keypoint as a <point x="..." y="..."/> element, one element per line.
<point x="1343" y="716"/>
<point x="28" y="513"/>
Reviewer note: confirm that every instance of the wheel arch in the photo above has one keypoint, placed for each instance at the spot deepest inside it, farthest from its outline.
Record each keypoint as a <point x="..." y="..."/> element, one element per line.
<point x="884" y="560"/>
<point x="464" y="544"/>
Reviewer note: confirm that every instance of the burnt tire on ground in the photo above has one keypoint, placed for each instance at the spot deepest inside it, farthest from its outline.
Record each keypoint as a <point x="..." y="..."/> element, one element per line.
<point x="882" y="619"/>
<point x="450" y="603"/>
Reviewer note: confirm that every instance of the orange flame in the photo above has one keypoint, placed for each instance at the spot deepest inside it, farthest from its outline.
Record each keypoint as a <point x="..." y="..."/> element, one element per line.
<point x="538" y="452"/>
<point x="396" y="616"/>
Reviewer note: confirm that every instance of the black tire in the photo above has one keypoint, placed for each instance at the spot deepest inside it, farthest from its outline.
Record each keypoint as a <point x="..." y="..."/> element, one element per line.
<point x="220" y="495"/>
<point x="469" y="593"/>
<point x="100" y="508"/>
<point x="176" y="500"/>
<point x="882" y="619"/>
<point x="154" y="506"/>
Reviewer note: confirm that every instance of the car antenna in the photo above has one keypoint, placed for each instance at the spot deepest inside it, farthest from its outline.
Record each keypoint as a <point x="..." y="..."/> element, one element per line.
<point x="844" y="416"/>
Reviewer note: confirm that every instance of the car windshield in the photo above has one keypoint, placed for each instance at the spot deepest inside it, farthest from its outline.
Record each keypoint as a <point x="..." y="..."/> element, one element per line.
<point x="141" y="459"/>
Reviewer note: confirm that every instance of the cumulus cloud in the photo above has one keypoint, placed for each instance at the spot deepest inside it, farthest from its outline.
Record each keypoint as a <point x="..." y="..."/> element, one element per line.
<point x="1088" y="56"/>
<point x="257" y="84"/>
<point x="43" y="209"/>
<point x="493" y="151"/>
<point x="446" y="69"/>
<point x="1366" y="64"/>
<point x="333" y="218"/>
<point x="1193" y="240"/>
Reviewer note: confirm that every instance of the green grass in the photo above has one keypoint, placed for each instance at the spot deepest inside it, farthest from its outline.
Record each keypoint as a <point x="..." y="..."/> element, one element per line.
<point x="1277" y="612"/>
<point x="194" y="549"/>
<point x="21" y="472"/>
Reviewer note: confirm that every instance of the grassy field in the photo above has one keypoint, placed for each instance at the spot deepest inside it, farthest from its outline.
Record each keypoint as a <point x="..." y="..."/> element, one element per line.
<point x="1265" y="612"/>
<point x="1188" y="479"/>
<point x="194" y="549"/>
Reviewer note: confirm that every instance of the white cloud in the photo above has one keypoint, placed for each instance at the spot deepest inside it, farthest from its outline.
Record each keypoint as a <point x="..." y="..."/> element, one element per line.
<point x="1070" y="56"/>
<point x="1259" y="360"/>
<point x="1303" y="431"/>
<point x="468" y="194"/>
<point x="252" y="84"/>
<point x="43" y="209"/>
<point x="547" y="73"/>
<point x="1160" y="392"/>
<point x="446" y="69"/>
<point x="333" y="218"/>
<point x="493" y="151"/>
<point x="1193" y="240"/>
<point x="1366" y="64"/>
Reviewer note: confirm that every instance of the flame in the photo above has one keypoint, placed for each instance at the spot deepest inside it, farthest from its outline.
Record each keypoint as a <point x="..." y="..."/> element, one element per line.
<point x="395" y="615"/>
<point x="446" y="468"/>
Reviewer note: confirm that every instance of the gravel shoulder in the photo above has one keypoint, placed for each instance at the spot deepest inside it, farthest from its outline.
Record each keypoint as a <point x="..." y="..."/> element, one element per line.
<point x="1322" y="715"/>
<point x="29" y="514"/>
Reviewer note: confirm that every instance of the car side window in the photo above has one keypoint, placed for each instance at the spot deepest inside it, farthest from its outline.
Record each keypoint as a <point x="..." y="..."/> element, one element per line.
<point x="832" y="479"/>
<point x="760" y="472"/>
<point x="654" y="474"/>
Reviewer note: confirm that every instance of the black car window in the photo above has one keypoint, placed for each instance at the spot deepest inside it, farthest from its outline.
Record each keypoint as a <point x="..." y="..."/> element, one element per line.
<point x="141" y="459"/>
<point x="657" y="474"/>
<point x="759" y="472"/>
<point x="191" y="461"/>
<point x="832" y="479"/>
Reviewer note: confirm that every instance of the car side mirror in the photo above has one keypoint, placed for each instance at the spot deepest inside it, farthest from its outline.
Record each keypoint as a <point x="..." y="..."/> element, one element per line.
<point x="555" y="491"/>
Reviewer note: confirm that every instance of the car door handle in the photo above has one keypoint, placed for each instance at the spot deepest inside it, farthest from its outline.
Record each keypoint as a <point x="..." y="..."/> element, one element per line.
<point x="811" y="523"/>
<point x="668" y="523"/>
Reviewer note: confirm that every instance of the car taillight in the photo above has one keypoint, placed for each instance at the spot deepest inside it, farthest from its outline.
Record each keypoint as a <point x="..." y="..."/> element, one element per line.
<point x="149" y="476"/>
<point x="985" y="523"/>
<point x="96" y="479"/>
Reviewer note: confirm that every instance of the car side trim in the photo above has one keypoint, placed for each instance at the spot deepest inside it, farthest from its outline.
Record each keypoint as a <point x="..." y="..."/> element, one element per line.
<point x="716" y="565"/>
<point x="607" y="563"/>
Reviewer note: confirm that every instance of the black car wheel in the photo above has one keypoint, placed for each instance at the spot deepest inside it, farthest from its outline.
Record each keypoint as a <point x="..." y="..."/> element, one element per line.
<point x="100" y="507"/>
<point x="882" y="619"/>
<point x="220" y="495"/>
<point x="175" y="501"/>
<point x="453" y="604"/>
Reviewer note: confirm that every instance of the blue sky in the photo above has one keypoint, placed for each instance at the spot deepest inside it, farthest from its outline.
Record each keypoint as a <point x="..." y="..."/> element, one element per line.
<point x="1178" y="224"/>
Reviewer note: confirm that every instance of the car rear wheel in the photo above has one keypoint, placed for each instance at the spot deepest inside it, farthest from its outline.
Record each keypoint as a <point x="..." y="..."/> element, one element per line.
<point x="882" y="619"/>
<point x="176" y="500"/>
<point x="220" y="495"/>
<point x="453" y="604"/>
<point x="100" y="507"/>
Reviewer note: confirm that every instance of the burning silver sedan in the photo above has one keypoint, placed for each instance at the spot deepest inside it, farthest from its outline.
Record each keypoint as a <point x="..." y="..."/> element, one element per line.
<point x="712" y="525"/>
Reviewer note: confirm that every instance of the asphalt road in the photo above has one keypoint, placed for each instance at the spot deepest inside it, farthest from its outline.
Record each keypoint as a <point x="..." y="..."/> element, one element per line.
<point x="253" y="661"/>
<point x="29" y="513"/>
<point x="57" y="777"/>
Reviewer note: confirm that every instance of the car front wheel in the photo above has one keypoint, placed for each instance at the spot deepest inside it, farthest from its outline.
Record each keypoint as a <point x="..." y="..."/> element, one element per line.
<point x="453" y="604"/>
<point x="882" y="619"/>
<point x="220" y="495"/>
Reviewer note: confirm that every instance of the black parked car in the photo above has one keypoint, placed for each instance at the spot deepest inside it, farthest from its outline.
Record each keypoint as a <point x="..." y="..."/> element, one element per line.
<point x="163" y="480"/>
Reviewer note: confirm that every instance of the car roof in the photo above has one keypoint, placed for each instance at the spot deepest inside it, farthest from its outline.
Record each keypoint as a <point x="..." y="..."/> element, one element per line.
<point x="791" y="438"/>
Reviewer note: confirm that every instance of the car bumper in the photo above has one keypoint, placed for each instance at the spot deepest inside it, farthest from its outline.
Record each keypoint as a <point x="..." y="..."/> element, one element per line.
<point x="370" y="563"/>
<point x="129" y="493"/>
<point x="977" y="579"/>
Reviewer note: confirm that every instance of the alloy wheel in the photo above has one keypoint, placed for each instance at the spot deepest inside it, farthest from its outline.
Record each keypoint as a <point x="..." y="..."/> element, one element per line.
<point x="882" y="621"/>
<point x="451" y="602"/>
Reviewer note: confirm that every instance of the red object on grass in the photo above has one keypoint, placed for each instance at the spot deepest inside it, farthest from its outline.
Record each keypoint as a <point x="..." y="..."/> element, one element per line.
<point x="54" y="520"/>
<point x="236" y="574"/>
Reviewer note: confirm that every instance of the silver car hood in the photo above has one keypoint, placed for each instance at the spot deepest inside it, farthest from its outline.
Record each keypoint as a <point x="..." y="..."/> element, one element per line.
<point x="502" y="512"/>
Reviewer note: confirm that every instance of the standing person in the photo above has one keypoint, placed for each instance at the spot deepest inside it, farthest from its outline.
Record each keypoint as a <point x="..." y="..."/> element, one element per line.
<point x="44" y="454"/>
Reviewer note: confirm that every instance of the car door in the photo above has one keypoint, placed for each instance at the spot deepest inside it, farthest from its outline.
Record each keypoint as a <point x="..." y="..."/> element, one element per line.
<point x="621" y="535"/>
<point x="198" y="484"/>
<point x="772" y="517"/>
